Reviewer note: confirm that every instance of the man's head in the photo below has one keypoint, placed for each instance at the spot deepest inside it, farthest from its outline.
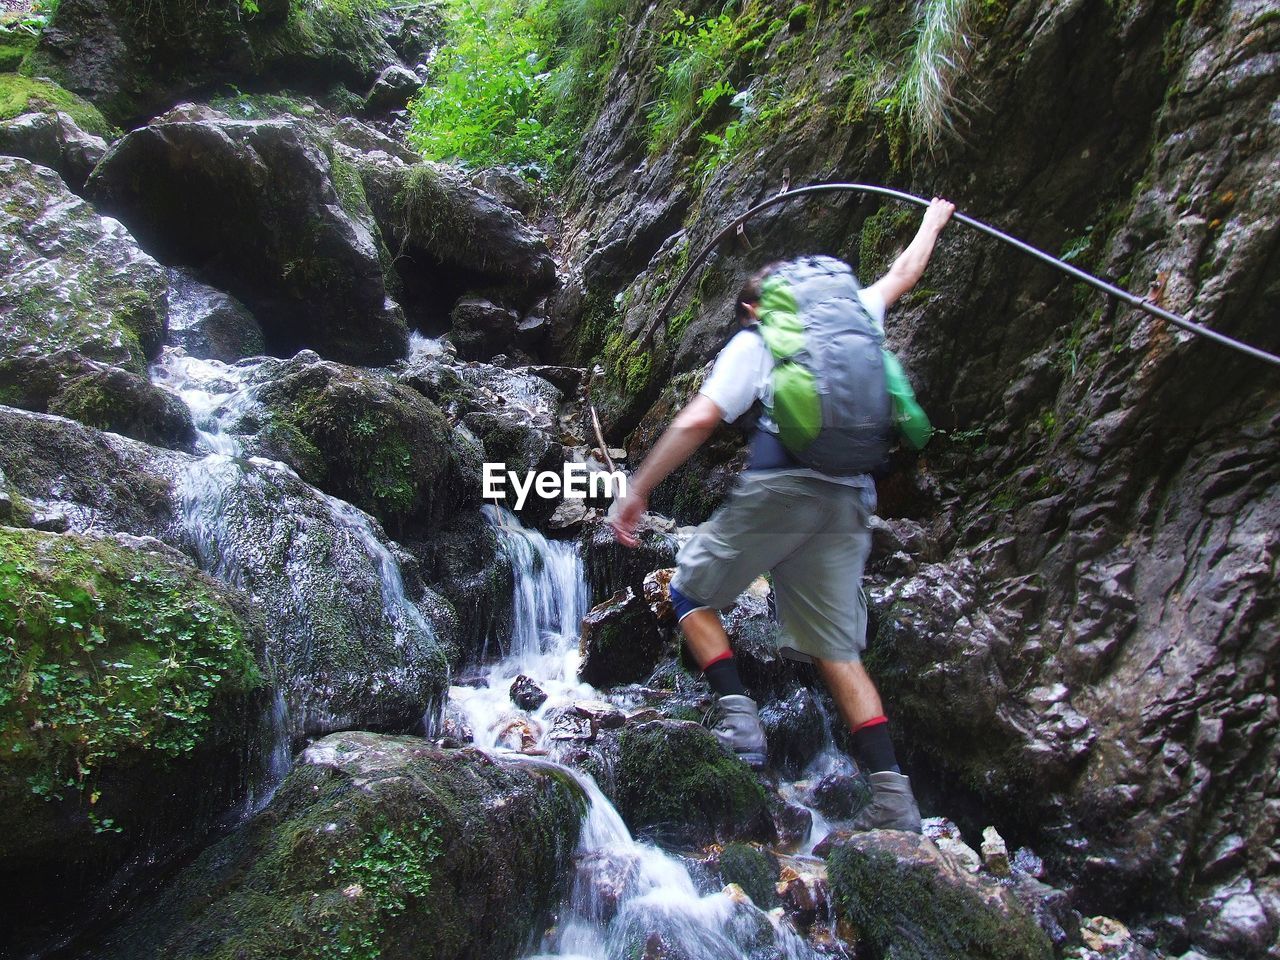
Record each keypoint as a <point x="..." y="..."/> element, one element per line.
<point x="749" y="295"/>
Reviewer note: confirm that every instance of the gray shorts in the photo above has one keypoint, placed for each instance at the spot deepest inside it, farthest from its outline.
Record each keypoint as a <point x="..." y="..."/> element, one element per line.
<point x="812" y="534"/>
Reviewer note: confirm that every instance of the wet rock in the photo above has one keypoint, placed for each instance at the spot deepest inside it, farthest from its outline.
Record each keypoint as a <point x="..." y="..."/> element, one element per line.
<point x="71" y="385"/>
<point x="656" y="591"/>
<point x="795" y="731"/>
<point x="753" y="634"/>
<point x="602" y="714"/>
<point x="72" y="279"/>
<point x="371" y="840"/>
<point x="908" y="899"/>
<point x="754" y="872"/>
<point x="133" y="66"/>
<point x="612" y="567"/>
<point x="526" y="694"/>
<point x="350" y="646"/>
<point x="621" y="641"/>
<point x="1234" y="921"/>
<point x="609" y="878"/>
<point x="482" y="328"/>
<point x="208" y="323"/>
<point x="518" y="733"/>
<point x="270" y="214"/>
<point x="1050" y="908"/>
<point x="1105" y="937"/>
<point x="393" y="89"/>
<point x="841" y="795"/>
<point x="804" y="892"/>
<point x="143" y="732"/>
<point x="946" y="835"/>
<point x="569" y="725"/>
<point x="56" y="141"/>
<point x="510" y="187"/>
<point x="674" y="782"/>
<point x="362" y="437"/>
<point x="792" y="822"/>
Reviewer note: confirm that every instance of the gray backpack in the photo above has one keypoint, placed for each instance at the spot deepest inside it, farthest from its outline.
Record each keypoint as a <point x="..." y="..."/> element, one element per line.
<point x="830" y="397"/>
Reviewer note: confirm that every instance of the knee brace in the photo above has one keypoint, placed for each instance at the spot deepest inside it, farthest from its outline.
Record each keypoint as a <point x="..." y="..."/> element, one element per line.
<point x="684" y="605"/>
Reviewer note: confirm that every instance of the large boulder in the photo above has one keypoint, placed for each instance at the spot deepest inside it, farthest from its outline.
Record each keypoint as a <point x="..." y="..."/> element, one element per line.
<point x="134" y="63"/>
<point x="352" y="644"/>
<point x="673" y="781"/>
<point x="269" y="215"/>
<point x="130" y="720"/>
<point x="452" y="238"/>
<point x="72" y="278"/>
<point x="98" y="395"/>
<point x="54" y="140"/>
<point x="363" y="437"/>
<point x="376" y="846"/>
<point x="910" y="901"/>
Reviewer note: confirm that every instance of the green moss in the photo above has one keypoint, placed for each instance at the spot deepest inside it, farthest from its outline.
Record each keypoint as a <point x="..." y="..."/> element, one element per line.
<point x="107" y="652"/>
<point x="20" y="94"/>
<point x="904" y="911"/>
<point x="750" y="869"/>
<point x="882" y="234"/>
<point x="678" y="781"/>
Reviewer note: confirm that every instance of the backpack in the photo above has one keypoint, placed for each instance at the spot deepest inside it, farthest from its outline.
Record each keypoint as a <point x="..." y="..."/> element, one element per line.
<point x="837" y="392"/>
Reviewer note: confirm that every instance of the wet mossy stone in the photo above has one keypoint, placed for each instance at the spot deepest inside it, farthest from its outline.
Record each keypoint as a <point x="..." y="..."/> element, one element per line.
<point x="259" y="205"/>
<point x="376" y="846"/>
<point x="621" y="641"/>
<point x="98" y="395"/>
<point x="676" y="783"/>
<point x="72" y="278"/>
<point x="129" y="716"/>
<point x="909" y="901"/>
<point x="363" y="437"/>
<point x="133" y="60"/>
<point x="611" y="567"/>
<point x="754" y="871"/>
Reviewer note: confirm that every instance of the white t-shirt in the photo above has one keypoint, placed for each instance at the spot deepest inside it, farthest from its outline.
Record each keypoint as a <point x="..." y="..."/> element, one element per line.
<point x="743" y="371"/>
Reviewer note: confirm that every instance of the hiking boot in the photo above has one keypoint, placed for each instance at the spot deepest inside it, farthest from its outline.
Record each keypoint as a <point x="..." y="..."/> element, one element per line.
<point x="737" y="726"/>
<point x="892" y="806"/>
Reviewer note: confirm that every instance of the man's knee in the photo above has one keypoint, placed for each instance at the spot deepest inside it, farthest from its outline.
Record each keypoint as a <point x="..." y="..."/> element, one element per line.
<point x="685" y="605"/>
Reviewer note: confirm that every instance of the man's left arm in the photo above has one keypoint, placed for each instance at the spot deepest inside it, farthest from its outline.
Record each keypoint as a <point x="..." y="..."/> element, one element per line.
<point x="688" y="431"/>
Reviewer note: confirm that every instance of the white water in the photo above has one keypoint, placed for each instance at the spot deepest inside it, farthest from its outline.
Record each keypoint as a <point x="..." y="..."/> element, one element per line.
<point x="626" y="893"/>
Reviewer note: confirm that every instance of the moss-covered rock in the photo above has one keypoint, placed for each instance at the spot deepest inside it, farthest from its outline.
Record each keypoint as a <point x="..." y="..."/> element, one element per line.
<point x="71" y="278"/>
<point x="133" y="59"/>
<point x="375" y="847"/>
<point x="21" y="94"/>
<point x="909" y="901"/>
<point x="621" y="641"/>
<point x="109" y="398"/>
<point x="362" y="437"/>
<point x="128" y="719"/>
<point x="258" y="204"/>
<point x="751" y="869"/>
<point x="612" y="568"/>
<point x="674" y="781"/>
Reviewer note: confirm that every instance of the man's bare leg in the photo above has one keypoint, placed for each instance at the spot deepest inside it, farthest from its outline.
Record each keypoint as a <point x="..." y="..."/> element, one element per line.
<point x="705" y="636"/>
<point x="852" y="689"/>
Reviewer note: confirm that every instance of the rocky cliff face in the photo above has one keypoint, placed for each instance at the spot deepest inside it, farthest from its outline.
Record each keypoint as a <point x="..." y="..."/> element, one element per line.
<point x="1084" y="637"/>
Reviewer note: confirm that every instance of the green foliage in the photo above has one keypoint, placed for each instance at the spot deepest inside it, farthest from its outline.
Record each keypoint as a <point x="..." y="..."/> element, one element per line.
<point x="516" y="81"/>
<point x="750" y="869"/>
<point x="105" y="652"/>
<point x="20" y="31"/>
<point x="880" y="237"/>
<point x="926" y="92"/>
<point x="392" y="869"/>
<point x="489" y="95"/>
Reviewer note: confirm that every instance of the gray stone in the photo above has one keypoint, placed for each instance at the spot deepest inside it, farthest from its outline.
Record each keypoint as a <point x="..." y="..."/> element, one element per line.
<point x="53" y="140"/>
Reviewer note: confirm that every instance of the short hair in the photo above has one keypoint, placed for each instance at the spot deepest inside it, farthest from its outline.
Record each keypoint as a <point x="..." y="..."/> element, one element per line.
<point x="751" y="290"/>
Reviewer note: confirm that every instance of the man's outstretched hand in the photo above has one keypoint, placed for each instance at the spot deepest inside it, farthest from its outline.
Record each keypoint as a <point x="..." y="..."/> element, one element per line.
<point x="625" y="516"/>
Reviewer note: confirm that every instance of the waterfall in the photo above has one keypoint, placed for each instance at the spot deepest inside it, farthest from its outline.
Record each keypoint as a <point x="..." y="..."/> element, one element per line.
<point x="626" y="895"/>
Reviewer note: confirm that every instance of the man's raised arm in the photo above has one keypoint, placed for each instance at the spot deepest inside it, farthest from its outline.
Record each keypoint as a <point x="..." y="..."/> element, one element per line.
<point x="909" y="267"/>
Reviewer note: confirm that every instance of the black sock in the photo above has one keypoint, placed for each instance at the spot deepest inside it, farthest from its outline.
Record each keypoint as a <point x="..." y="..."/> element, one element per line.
<point x="723" y="676"/>
<point x="873" y="749"/>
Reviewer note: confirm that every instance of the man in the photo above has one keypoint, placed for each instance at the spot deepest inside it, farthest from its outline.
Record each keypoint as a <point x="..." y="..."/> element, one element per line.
<point x="808" y="528"/>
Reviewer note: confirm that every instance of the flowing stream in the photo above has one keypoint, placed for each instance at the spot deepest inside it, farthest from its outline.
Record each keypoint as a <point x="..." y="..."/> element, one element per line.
<point x="629" y="898"/>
